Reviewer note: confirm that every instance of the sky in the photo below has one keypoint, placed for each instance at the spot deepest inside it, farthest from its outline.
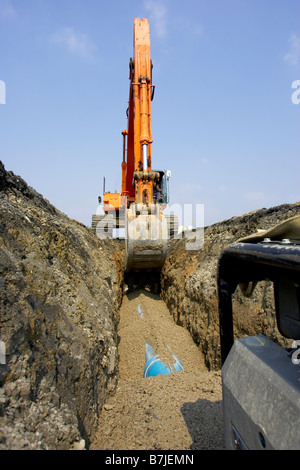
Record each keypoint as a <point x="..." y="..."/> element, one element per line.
<point x="225" y="116"/>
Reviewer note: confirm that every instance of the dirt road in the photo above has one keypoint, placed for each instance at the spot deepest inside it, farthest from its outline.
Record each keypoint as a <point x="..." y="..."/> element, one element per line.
<point x="180" y="411"/>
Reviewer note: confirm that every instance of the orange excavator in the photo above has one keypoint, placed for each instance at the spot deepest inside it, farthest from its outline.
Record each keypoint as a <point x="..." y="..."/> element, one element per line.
<point x="144" y="191"/>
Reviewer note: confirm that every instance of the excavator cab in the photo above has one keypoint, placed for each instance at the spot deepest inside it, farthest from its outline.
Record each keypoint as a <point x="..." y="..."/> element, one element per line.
<point x="161" y="194"/>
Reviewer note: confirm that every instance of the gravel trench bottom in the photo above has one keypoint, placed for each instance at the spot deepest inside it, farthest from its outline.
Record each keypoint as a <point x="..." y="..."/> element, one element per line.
<point x="180" y="411"/>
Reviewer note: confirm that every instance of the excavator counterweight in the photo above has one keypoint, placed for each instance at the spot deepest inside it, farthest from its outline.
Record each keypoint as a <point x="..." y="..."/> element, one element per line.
<point x="144" y="191"/>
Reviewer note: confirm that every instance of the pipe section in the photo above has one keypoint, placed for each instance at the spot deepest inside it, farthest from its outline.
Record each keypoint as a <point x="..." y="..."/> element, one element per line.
<point x="154" y="366"/>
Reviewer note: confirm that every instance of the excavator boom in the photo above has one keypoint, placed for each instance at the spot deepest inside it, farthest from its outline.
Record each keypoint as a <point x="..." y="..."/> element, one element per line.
<point x="146" y="235"/>
<point x="139" y="135"/>
<point x="144" y="191"/>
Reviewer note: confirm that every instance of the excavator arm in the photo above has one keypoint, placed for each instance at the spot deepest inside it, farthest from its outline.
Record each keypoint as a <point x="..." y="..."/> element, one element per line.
<point x="146" y="231"/>
<point x="139" y="206"/>
<point x="139" y="135"/>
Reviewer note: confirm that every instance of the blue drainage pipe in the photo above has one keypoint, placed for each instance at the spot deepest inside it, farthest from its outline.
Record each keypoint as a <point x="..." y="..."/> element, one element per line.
<point x="154" y="366"/>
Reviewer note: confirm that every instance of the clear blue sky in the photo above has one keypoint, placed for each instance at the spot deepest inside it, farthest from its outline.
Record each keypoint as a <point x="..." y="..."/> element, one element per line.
<point x="222" y="118"/>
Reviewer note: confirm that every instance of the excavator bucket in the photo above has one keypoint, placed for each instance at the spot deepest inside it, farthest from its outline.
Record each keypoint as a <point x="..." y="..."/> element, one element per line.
<point x="146" y="240"/>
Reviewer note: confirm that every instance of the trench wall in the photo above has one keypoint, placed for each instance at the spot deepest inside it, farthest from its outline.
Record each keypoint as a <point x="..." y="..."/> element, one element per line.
<point x="189" y="284"/>
<point x="60" y="292"/>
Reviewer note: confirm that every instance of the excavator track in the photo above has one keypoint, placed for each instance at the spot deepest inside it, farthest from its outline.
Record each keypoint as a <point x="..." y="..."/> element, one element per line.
<point x="104" y="224"/>
<point x="172" y="224"/>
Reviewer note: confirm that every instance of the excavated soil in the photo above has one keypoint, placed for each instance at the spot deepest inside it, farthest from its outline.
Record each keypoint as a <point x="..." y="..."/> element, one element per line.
<point x="180" y="411"/>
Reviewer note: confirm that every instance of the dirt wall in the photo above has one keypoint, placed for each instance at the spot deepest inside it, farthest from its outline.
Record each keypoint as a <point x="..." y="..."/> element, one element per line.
<point x="189" y="284"/>
<point x="60" y="291"/>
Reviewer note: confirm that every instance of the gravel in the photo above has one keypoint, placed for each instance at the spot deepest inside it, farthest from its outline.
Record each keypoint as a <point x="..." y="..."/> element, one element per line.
<point x="180" y="411"/>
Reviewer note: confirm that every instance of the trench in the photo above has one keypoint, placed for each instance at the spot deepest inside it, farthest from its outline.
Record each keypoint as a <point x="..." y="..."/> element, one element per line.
<point x="178" y="411"/>
<point x="60" y="349"/>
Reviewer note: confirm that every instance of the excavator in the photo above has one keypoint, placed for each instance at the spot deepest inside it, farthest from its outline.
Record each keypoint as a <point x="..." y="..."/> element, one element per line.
<point x="144" y="194"/>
